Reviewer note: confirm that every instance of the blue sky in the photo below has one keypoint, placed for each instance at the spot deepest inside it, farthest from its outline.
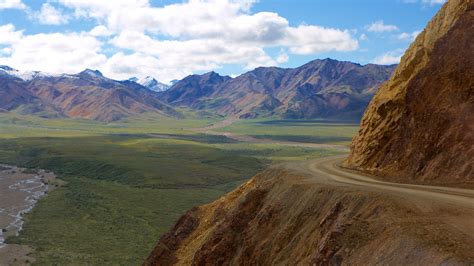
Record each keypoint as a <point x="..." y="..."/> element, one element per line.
<point x="171" y="39"/>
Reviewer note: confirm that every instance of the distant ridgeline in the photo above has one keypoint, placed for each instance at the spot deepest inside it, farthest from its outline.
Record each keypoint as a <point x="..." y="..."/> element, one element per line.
<point x="319" y="89"/>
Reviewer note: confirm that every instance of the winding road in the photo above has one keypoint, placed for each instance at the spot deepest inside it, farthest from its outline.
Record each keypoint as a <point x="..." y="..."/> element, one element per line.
<point x="328" y="170"/>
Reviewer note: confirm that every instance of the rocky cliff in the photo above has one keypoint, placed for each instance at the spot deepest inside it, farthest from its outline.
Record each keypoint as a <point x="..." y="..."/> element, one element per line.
<point x="419" y="127"/>
<point x="283" y="217"/>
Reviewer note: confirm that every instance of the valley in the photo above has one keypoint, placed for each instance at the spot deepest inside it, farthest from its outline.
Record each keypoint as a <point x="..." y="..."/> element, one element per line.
<point x="236" y="133"/>
<point x="126" y="183"/>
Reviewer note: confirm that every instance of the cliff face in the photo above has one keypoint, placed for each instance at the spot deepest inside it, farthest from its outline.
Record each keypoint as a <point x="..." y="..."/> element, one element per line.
<point x="281" y="217"/>
<point x="419" y="127"/>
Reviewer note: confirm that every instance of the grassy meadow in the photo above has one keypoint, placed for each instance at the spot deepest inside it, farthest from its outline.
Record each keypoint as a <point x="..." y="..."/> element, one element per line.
<point x="126" y="183"/>
<point x="309" y="131"/>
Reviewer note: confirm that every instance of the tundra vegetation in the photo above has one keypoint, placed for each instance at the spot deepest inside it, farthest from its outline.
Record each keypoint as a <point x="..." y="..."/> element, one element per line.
<point x="126" y="183"/>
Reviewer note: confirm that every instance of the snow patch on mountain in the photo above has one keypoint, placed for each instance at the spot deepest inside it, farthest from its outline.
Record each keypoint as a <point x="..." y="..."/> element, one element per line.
<point x="25" y="75"/>
<point x="151" y="83"/>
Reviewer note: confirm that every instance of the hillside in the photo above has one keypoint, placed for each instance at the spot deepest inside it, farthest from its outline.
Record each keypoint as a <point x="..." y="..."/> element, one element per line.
<point x="87" y="94"/>
<point x="420" y="125"/>
<point x="320" y="88"/>
<point x="287" y="217"/>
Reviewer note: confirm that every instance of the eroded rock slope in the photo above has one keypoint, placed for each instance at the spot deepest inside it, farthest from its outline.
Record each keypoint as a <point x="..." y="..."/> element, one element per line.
<point x="283" y="217"/>
<point x="419" y="127"/>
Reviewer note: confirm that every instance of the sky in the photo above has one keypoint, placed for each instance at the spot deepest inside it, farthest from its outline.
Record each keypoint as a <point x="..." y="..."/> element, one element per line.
<point x="169" y="39"/>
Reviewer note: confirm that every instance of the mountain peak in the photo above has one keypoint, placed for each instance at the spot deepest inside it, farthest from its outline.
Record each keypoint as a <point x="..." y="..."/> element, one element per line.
<point x="150" y="83"/>
<point x="7" y="68"/>
<point x="133" y="79"/>
<point x="92" y="73"/>
<point x="212" y="74"/>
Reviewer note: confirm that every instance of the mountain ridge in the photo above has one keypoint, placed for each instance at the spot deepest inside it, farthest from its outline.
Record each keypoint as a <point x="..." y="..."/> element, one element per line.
<point x="319" y="88"/>
<point x="267" y="91"/>
<point x="87" y="94"/>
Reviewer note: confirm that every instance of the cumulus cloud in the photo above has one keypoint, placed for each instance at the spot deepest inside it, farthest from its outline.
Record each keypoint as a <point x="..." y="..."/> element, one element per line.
<point x="54" y="52"/>
<point x="380" y="26"/>
<point x="426" y="2"/>
<point x="50" y="15"/>
<point x="12" y="4"/>
<point x="174" y="40"/>
<point x="8" y="34"/>
<point x="434" y="2"/>
<point x="404" y="36"/>
<point x="389" y="58"/>
<point x="100" y="31"/>
<point x="282" y="58"/>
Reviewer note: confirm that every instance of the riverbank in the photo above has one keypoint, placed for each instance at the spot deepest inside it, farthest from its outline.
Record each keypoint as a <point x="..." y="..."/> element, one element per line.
<point x="20" y="190"/>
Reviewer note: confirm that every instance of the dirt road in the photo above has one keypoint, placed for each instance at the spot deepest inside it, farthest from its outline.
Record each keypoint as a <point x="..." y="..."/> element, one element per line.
<point x="327" y="170"/>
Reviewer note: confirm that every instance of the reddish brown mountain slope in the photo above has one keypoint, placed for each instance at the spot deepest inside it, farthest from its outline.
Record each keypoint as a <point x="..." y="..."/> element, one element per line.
<point x="85" y="95"/>
<point x="420" y="125"/>
<point x="320" y="88"/>
<point x="13" y="93"/>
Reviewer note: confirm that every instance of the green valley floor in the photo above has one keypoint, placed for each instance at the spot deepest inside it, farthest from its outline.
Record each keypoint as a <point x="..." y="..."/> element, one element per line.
<point x="124" y="184"/>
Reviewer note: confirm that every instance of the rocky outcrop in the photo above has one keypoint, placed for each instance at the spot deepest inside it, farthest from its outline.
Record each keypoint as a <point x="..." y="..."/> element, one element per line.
<point x="285" y="218"/>
<point x="419" y="127"/>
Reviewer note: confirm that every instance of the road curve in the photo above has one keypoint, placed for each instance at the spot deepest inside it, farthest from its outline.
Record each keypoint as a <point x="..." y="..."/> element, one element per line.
<point x="328" y="170"/>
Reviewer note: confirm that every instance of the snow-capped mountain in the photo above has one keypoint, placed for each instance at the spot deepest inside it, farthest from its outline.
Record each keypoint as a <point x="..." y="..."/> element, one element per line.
<point x="87" y="94"/>
<point x="151" y="83"/>
<point x="26" y="75"/>
<point x="23" y="75"/>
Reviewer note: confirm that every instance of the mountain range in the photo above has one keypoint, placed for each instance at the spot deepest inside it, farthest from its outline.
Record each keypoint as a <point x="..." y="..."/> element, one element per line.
<point x="87" y="94"/>
<point x="318" y="89"/>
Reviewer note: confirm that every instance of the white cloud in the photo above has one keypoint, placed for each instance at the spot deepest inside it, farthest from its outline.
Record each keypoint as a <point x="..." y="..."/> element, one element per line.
<point x="178" y="39"/>
<point x="426" y="2"/>
<point x="49" y="15"/>
<point x="282" y="58"/>
<point x="434" y="2"/>
<point x="363" y="37"/>
<point x="54" y="52"/>
<point x="6" y="50"/>
<point x="404" y="36"/>
<point x="226" y="20"/>
<point x="307" y="39"/>
<point x="191" y="55"/>
<point x="8" y="34"/>
<point x="12" y="4"/>
<point x="388" y="58"/>
<point x="380" y="26"/>
<point x="99" y="31"/>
